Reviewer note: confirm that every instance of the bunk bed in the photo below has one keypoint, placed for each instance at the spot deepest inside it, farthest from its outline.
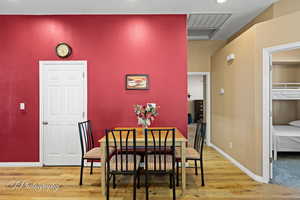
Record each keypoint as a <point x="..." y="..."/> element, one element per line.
<point x="286" y="91"/>
<point x="286" y="138"/>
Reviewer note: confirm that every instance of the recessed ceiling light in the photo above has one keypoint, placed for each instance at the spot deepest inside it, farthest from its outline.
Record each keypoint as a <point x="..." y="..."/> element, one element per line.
<point x="221" y="1"/>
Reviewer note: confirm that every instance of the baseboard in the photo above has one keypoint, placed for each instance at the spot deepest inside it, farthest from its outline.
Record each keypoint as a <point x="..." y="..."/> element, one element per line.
<point x="38" y="164"/>
<point x="96" y="164"/>
<point x="21" y="164"/>
<point x="239" y="165"/>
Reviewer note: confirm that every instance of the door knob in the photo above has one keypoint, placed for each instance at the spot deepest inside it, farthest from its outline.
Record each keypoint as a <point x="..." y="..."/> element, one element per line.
<point x="45" y="123"/>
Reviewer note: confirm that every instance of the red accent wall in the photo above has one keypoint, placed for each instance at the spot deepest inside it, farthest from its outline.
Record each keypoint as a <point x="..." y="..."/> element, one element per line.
<point x="113" y="46"/>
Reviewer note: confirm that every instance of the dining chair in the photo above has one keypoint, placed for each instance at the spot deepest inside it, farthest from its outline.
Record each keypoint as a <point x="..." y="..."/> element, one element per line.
<point x="88" y="150"/>
<point x="121" y="157"/>
<point x="160" y="156"/>
<point x="194" y="153"/>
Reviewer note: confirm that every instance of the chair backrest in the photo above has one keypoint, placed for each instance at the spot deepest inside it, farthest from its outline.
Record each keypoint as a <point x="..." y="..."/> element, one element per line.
<point x="86" y="136"/>
<point x="200" y="137"/>
<point x="161" y="144"/>
<point x="122" y="144"/>
<point x="198" y="129"/>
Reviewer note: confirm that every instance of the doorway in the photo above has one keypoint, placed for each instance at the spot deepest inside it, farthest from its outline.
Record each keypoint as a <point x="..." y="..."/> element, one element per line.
<point x="281" y="95"/>
<point x="198" y="102"/>
<point x="63" y="103"/>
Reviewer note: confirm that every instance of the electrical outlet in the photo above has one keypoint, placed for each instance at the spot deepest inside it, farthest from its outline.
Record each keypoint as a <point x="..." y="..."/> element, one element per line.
<point x="230" y="145"/>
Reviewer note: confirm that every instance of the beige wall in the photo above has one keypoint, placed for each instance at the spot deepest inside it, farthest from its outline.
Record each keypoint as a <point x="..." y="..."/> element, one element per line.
<point x="233" y="112"/>
<point x="278" y="9"/>
<point x="282" y="31"/>
<point x="200" y="52"/>
<point x="284" y="7"/>
<point x="291" y="55"/>
<point x="237" y="115"/>
<point x="285" y="112"/>
<point x="286" y="73"/>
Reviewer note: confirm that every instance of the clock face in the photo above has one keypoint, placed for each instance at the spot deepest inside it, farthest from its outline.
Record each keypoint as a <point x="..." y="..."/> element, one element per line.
<point x="63" y="50"/>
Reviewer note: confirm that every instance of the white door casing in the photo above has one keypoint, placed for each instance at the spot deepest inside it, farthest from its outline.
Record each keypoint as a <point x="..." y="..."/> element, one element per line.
<point x="271" y="117"/>
<point x="63" y="103"/>
<point x="267" y="103"/>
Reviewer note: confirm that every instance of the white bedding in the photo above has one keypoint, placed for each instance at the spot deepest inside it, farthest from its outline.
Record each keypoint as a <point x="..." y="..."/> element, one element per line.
<point x="286" y="138"/>
<point x="286" y="130"/>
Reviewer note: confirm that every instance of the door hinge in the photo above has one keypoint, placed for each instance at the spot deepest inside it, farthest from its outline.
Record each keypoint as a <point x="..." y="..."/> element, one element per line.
<point x="83" y="114"/>
<point x="270" y="160"/>
<point x="83" y="75"/>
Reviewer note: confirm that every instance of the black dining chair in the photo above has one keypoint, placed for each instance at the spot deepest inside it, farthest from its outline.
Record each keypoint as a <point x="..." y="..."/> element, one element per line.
<point x="88" y="150"/>
<point x="160" y="156"/>
<point x="195" y="154"/>
<point x="121" y="157"/>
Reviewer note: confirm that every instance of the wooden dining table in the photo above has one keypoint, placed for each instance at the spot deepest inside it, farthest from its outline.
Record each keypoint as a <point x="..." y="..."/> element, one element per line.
<point x="180" y="141"/>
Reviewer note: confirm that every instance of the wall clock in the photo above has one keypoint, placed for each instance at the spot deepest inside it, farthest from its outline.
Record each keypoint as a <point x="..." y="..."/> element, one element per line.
<point x="63" y="50"/>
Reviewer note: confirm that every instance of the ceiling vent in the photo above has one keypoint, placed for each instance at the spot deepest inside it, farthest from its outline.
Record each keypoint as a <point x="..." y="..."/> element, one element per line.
<point x="204" y="26"/>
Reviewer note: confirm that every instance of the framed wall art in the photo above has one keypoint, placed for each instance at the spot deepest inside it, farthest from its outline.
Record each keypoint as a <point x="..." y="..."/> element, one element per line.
<point x="137" y="81"/>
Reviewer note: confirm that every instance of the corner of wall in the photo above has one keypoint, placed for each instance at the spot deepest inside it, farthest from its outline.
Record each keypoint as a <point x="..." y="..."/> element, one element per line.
<point x="266" y="15"/>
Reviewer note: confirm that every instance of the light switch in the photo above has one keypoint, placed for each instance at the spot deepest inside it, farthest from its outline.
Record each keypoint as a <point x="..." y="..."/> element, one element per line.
<point x="22" y="106"/>
<point x="222" y="91"/>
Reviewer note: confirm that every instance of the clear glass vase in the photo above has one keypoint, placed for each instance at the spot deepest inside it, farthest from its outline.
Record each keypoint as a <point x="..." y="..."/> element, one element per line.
<point x="145" y="123"/>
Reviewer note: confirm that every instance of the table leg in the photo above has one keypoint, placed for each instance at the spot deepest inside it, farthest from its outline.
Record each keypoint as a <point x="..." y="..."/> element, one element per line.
<point x="103" y="170"/>
<point x="183" y="161"/>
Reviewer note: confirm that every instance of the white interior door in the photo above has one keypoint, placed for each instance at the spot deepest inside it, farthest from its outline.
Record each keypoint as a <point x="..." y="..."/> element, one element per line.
<point x="63" y="104"/>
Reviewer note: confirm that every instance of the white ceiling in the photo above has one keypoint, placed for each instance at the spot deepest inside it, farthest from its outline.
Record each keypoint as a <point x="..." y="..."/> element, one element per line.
<point x="242" y="10"/>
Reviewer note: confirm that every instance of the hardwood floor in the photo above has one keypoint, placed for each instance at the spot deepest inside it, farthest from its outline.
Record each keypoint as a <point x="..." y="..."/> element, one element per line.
<point x="223" y="181"/>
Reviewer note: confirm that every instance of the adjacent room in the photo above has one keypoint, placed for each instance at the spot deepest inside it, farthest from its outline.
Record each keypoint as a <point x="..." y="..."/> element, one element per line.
<point x="285" y="117"/>
<point x="149" y="99"/>
<point x="197" y="101"/>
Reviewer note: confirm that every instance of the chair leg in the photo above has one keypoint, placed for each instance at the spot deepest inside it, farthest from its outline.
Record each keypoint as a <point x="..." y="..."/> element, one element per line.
<point x="107" y="188"/>
<point x="81" y="171"/>
<point x="171" y="180"/>
<point x="138" y="179"/>
<point x="196" y="168"/>
<point x="173" y="176"/>
<point x="177" y="174"/>
<point x="134" y="186"/>
<point x="174" y="187"/>
<point x="146" y="186"/>
<point x="91" y="172"/>
<point x="114" y="181"/>
<point x="202" y="173"/>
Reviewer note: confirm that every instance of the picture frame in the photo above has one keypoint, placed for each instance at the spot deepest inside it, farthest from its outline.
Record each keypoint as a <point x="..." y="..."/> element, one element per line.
<point x="137" y="81"/>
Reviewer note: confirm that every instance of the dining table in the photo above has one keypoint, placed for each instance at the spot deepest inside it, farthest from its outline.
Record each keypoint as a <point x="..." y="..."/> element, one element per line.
<point x="180" y="142"/>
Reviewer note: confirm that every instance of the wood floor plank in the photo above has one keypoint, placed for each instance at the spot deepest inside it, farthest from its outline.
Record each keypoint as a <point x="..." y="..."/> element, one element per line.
<point x="223" y="181"/>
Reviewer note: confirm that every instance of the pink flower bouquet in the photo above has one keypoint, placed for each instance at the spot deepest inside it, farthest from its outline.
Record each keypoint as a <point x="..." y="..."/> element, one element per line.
<point x="145" y="114"/>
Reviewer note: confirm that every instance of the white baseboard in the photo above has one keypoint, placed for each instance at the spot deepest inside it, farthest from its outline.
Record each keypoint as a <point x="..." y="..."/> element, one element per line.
<point x="21" y="164"/>
<point x="96" y="164"/>
<point x="38" y="164"/>
<point x="239" y="165"/>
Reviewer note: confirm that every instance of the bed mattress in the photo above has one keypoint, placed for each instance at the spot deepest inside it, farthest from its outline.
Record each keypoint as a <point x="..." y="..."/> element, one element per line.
<point x="286" y="138"/>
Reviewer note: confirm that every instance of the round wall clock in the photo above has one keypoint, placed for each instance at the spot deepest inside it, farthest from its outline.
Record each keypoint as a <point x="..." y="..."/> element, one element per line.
<point x="63" y="50"/>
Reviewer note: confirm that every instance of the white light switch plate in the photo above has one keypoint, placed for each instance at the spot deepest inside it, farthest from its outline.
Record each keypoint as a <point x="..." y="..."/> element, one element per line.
<point x="222" y="91"/>
<point x="22" y="106"/>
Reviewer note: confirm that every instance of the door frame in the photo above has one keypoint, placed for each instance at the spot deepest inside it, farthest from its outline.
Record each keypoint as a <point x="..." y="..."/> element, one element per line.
<point x="266" y="104"/>
<point x="42" y="64"/>
<point x="208" y="104"/>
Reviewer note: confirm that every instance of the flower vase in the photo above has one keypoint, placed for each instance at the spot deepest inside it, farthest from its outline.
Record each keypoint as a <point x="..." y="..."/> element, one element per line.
<point x="145" y="123"/>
